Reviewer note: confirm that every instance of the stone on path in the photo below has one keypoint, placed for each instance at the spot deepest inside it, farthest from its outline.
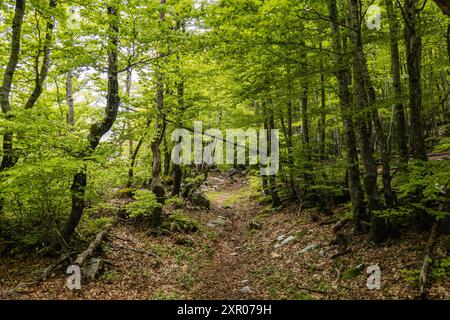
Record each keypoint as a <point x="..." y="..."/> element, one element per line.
<point x="309" y="248"/>
<point x="284" y="241"/>
<point x="219" y="221"/>
<point x="246" y="290"/>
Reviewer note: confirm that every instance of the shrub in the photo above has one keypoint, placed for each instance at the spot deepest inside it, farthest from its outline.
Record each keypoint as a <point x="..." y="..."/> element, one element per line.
<point x="144" y="205"/>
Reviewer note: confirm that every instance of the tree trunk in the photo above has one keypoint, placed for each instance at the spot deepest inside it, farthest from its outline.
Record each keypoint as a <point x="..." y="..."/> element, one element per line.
<point x="269" y="182"/>
<point x="8" y="159"/>
<point x="166" y="171"/>
<point x="342" y="74"/>
<point x="156" y="185"/>
<point x="413" y="44"/>
<point x="176" y="168"/>
<point x="77" y="190"/>
<point x="133" y="161"/>
<point x="361" y="104"/>
<point x="322" y="120"/>
<point x="97" y="130"/>
<point x="69" y="99"/>
<point x="401" y="132"/>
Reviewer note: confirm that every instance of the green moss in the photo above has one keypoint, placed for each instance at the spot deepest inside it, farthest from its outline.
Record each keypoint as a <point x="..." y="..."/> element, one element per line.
<point x="179" y="222"/>
<point x="352" y="273"/>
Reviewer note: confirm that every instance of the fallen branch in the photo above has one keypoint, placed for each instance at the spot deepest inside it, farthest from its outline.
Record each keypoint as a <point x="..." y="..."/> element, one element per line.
<point x="47" y="271"/>
<point x="86" y="254"/>
<point x="41" y="277"/>
<point x="328" y="221"/>
<point x="423" y="279"/>
<point x="340" y="224"/>
<point x="341" y="253"/>
<point x="19" y="286"/>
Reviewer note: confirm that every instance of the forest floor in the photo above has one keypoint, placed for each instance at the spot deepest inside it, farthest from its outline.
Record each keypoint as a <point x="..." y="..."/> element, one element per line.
<point x="286" y="255"/>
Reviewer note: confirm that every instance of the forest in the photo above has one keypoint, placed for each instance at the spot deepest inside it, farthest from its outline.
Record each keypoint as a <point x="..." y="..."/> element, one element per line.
<point x="225" y="149"/>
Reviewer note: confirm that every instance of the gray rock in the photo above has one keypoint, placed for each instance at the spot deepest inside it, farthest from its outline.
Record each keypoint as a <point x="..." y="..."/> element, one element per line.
<point x="92" y="269"/>
<point x="308" y="249"/>
<point x="246" y="290"/>
<point x="199" y="199"/>
<point x="284" y="242"/>
<point x="218" y="222"/>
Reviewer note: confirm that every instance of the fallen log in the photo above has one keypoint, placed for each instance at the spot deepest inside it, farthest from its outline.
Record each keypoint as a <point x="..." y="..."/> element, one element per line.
<point x="340" y="224"/>
<point x="48" y="271"/>
<point x="86" y="254"/>
<point x="423" y="278"/>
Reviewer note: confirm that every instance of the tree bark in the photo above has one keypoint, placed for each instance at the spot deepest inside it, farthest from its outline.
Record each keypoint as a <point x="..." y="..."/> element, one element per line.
<point x="269" y="182"/>
<point x="97" y="130"/>
<point x="176" y="168"/>
<point x="413" y="44"/>
<point x="8" y="159"/>
<point x="361" y="104"/>
<point x="342" y="74"/>
<point x="399" y="113"/>
<point x="69" y="99"/>
<point x="322" y="120"/>
<point x="156" y="184"/>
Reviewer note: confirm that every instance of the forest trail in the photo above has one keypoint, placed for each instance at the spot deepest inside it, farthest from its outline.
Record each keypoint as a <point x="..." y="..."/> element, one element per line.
<point x="289" y="256"/>
<point x="225" y="275"/>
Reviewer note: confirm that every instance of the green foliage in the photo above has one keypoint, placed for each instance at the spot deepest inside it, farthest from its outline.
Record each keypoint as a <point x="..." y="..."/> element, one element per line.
<point x="352" y="272"/>
<point x="441" y="269"/>
<point x="176" y="202"/>
<point x="432" y="180"/>
<point x="179" y="222"/>
<point x="411" y="276"/>
<point x="144" y="204"/>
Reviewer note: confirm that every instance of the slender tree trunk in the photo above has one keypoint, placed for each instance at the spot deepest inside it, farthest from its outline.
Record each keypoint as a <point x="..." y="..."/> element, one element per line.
<point x="133" y="161"/>
<point x="8" y="159"/>
<point x="177" y="173"/>
<point x="271" y="179"/>
<point x="166" y="171"/>
<point x="322" y="120"/>
<point x="343" y="75"/>
<point x="156" y="185"/>
<point x="176" y="168"/>
<point x="361" y="103"/>
<point x="364" y="99"/>
<point x="399" y="112"/>
<point x="413" y="44"/>
<point x="69" y="99"/>
<point x="97" y="130"/>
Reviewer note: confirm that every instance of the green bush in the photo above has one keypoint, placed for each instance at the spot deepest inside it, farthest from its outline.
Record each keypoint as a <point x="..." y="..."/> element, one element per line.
<point x="144" y="204"/>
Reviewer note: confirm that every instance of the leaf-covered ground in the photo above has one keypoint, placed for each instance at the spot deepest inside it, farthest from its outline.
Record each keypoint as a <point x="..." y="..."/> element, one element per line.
<point x="238" y="254"/>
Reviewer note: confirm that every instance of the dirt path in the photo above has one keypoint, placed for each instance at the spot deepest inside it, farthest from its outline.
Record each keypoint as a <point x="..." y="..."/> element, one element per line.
<point x="225" y="275"/>
<point x="225" y="260"/>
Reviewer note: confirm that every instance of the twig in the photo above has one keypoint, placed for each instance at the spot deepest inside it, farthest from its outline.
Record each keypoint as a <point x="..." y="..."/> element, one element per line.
<point x="341" y="253"/>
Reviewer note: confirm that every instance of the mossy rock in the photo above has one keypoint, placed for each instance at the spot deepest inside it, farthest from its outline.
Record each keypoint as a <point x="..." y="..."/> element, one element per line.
<point x="179" y="222"/>
<point x="352" y="273"/>
<point x="257" y="222"/>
